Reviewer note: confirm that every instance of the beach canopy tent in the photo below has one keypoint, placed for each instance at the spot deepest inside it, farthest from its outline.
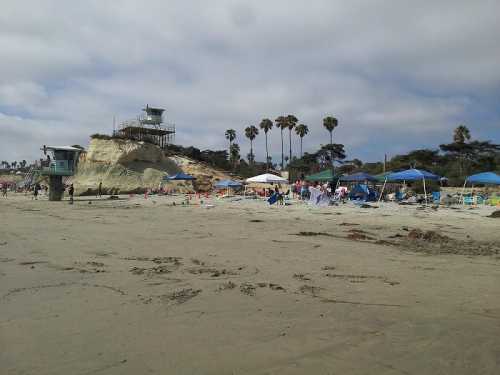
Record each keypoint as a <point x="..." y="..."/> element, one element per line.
<point x="325" y="175"/>
<point x="362" y="192"/>
<point x="267" y="178"/>
<point x="358" y="177"/>
<point x="410" y="175"/>
<point x="179" y="177"/>
<point x="226" y="184"/>
<point x="487" y="178"/>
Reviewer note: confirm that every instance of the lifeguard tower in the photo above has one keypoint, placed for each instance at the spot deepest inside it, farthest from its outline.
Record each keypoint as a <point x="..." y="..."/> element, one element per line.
<point x="60" y="161"/>
<point x="148" y="127"/>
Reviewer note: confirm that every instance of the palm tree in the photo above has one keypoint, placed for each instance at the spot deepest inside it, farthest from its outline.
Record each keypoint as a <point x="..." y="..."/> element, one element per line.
<point x="266" y="125"/>
<point x="251" y="132"/>
<point x="292" y="122"/>
<point x="230" y="136"/>
<point x="282" y="123"/>
<point x="330" y="123"/>
<point x="234" y="153"/>
<point x="461" y="134"/>
<point x="301" y="131"/>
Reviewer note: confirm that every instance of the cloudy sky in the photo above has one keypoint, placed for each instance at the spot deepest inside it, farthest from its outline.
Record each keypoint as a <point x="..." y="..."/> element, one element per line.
<point x="397" y="74"/>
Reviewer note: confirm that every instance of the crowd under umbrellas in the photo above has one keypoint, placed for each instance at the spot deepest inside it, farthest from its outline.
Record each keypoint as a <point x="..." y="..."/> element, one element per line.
<point x="325" y="189"/>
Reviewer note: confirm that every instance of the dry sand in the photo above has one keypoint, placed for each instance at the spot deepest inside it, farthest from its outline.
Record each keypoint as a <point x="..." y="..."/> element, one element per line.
<point x="138" y="286"/>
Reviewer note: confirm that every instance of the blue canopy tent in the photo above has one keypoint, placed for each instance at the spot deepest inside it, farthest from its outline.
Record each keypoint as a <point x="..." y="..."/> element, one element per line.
<point x="411" y="175"/>
<point x="487" y="178"/>
<point x="358" y="177"/>
<point x="225" y="184"/>
<point x="228" y="184"/>
<point x="179" y="177"/>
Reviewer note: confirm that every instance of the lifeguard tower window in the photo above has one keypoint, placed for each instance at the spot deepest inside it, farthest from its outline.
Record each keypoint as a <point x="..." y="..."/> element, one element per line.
<point x="64" y="155"/>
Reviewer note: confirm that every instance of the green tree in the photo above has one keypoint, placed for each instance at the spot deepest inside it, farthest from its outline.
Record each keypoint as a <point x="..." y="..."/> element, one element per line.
<point x="251" y="132"/>
<point x="301" y="131"/>
<point x="282" y="124"/>
<point x="292" y="122"/>
<point x="460" y="148"/>
<point x="461" y="134"/>
<point x="266" y="125"/>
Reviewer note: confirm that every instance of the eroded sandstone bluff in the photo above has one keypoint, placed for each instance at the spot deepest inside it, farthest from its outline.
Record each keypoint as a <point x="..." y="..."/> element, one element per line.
<point x="126" y="166"/>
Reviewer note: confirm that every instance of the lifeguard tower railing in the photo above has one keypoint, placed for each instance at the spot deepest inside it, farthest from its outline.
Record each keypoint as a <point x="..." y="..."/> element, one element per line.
<point x="138" y="130"/>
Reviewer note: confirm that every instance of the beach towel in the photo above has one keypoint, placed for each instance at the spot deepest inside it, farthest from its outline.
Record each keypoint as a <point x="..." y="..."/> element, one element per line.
<point x="273" y="199"/>
<point x="318" y="198"/>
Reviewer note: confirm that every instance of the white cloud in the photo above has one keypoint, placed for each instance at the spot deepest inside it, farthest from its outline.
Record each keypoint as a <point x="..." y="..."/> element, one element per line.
<point x="397" y="74"/>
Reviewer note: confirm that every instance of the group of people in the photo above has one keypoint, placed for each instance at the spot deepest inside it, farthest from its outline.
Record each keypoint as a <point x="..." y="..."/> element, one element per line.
<point x="302" y="189"/>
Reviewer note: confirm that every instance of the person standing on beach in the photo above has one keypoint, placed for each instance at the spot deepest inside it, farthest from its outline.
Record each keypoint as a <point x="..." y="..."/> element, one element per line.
<point x="4" y="190"/>
<point x="71" y="191"/>
<point x="99" y="190"/>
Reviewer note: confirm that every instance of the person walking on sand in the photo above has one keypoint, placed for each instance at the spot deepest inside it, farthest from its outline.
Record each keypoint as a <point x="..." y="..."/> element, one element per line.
<point x="36" y="189"/>
<point x="4" y="190"/>
<point x="99" y="190"/>
<point x="71" y="191"/>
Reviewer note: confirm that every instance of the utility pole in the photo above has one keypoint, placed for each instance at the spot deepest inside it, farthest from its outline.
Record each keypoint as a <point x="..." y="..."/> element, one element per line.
<point x="385" y="161"/>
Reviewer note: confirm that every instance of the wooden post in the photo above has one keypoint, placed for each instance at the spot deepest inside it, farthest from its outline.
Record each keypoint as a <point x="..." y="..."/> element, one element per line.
<point x="56" y="188"/>
<point x="425" y="191"/>
<point x="382" y="192"/>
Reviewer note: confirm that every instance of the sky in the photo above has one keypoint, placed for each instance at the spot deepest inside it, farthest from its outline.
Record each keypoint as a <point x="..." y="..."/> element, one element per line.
<point x="398" y="75"/>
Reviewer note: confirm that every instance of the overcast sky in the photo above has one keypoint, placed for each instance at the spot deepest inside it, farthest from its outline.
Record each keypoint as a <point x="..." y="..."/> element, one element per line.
<point x="397" y="74"/>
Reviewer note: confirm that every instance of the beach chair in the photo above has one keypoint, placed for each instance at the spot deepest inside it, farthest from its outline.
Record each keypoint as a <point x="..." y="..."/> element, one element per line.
<point x="436" y="197"/>
<point x="399" y="196"/>
<point x="494" y="201"/>
<point x="468" y="200"/>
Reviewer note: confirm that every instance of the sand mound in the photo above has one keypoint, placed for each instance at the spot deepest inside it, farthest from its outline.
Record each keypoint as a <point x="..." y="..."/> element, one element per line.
<point x="126" y="166"/>
<point x="495" y="214"/>
<point x="428" y="236"/>
<point x="431" y="242"/>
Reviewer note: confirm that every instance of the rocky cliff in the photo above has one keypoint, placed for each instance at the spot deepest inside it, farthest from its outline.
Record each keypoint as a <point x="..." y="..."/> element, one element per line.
<point x="126" y="166"/>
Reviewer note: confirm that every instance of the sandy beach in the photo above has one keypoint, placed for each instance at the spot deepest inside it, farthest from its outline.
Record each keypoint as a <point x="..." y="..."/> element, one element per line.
<point x="135" y="286"/>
